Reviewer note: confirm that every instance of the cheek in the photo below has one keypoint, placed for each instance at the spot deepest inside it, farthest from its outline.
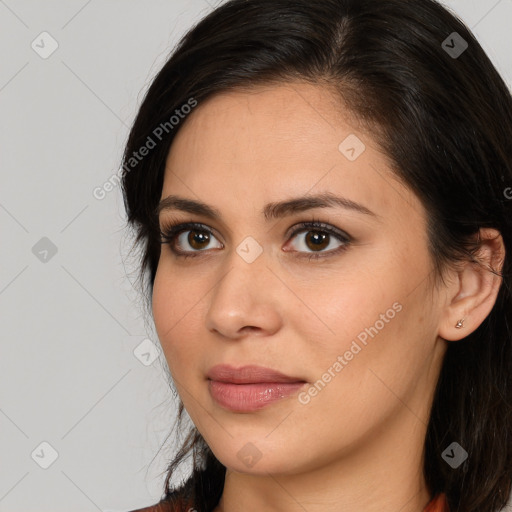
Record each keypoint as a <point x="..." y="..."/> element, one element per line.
<point x="366" y="376"/>
<point x="336" y="307"/>
<point x="163" y="300"/>
<point x="366" y="326"/>
<point x="383" y="359"/>
<point x="173" y="310"/>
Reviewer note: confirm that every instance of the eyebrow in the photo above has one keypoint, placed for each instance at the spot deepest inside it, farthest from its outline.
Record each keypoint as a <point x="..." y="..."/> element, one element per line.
<point x="270" y="211"/>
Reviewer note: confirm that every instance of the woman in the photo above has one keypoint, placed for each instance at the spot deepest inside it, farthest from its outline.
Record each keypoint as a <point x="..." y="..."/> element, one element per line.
<point x="321" y="191"/>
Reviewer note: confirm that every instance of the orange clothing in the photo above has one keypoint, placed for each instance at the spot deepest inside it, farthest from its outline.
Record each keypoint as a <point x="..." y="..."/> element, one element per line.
<point x="438" y="504"/>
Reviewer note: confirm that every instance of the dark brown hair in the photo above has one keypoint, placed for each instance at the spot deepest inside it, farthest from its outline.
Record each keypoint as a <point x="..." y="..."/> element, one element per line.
<point x="445" y="122"/>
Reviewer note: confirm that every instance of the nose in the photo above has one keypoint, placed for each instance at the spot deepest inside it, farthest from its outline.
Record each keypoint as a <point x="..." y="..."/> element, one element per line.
<point x="245" y="300"/>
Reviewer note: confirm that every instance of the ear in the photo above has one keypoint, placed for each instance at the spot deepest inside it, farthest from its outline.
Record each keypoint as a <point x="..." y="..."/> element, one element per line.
<point x="473" y="290"/>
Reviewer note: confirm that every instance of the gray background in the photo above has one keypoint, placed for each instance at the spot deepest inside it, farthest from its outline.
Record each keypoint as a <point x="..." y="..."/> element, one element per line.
<point x="76" y="366"/>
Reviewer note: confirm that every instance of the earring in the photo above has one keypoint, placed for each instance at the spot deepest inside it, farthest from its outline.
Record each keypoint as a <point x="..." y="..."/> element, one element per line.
<point x="460" y="323"/>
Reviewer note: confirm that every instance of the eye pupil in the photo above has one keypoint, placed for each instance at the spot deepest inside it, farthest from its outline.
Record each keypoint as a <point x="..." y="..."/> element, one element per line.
<point x="196" y="238"/>
<point x="318" y="240"/>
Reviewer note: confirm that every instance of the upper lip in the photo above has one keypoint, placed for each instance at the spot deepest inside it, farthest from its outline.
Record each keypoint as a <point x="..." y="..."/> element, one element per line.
<point x="249" y="374"/>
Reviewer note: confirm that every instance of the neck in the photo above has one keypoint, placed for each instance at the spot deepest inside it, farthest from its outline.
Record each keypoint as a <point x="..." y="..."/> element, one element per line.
<point x="383" y="474"/>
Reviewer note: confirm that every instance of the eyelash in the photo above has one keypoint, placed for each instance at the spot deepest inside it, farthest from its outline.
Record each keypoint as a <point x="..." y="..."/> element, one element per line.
<point x="170" y="230"/>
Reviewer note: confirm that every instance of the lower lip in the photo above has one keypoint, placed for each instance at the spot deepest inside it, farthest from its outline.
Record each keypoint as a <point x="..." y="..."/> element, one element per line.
<point x="250" y="397"/>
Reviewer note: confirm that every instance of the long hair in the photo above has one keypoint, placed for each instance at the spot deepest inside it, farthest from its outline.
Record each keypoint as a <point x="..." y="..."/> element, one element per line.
<point x="415" y="74"/>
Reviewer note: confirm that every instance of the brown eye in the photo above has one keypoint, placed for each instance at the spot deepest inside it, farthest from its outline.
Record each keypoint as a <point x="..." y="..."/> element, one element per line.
<point x="195" y="240"/>
<point x="187" y="240"/>
<point x="318" y="240"/>
<point x="198" y="239"/>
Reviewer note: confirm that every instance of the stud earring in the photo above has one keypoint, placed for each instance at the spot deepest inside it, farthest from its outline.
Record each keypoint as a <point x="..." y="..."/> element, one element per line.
<point x="460" y="323"/>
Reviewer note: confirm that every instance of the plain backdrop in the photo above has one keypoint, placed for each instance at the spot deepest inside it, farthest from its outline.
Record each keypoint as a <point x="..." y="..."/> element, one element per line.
<point x="84" y="401"/>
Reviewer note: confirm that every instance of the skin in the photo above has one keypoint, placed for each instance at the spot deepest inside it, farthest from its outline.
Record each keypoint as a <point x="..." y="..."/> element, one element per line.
<point x="357" y="445"/>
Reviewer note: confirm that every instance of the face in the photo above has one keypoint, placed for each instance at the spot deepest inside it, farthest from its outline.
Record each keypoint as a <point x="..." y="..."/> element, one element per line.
<point x="343" y="307"/>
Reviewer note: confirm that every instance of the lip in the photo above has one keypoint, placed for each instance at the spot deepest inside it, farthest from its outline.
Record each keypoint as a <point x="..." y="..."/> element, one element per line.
<point x="250" y="388"/>
<point x="250" y="374"/>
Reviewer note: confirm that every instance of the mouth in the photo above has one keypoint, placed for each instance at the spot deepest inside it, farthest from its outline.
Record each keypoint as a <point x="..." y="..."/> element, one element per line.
<point x="250" y="388"/>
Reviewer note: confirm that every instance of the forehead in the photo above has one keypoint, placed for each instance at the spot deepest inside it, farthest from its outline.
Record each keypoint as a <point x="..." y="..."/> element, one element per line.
<point x="280" y="141"/>
<point x="266" y="122"/>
